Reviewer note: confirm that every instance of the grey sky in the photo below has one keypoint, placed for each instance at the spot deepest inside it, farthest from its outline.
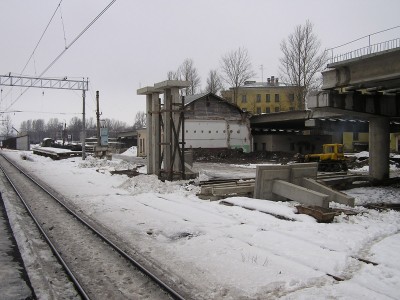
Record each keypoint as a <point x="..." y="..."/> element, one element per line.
<point x="135" y="43"/>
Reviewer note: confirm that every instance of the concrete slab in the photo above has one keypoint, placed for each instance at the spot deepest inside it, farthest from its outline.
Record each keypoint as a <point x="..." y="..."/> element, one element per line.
<point x="333" y="195"/>
<point x="300" y="194"/>
<point x="147" y="90"/>
<point x="265" y="175"/>
<point x="171" y="84"/>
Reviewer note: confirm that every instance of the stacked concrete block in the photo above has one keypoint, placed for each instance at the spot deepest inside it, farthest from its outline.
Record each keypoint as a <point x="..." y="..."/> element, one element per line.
<point x="296" y="182"/>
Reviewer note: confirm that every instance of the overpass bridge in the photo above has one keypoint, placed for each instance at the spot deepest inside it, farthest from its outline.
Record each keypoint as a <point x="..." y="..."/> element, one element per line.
<point x="360" y="85"/>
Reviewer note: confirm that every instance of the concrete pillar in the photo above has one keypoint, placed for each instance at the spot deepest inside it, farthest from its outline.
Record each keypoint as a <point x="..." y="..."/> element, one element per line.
<point x="149" y="142"/>
<point x="379" y="148"/>
<point x="156" y="132"/>
<point x="167" y="131"/>
<point x="176" y="101"/>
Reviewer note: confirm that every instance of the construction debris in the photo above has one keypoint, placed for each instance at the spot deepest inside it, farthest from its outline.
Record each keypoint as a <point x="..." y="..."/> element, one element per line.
<point x="221" y="189"/>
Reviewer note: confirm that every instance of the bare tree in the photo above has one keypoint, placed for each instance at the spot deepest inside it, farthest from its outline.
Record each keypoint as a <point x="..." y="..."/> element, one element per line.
<point x="302" y="61"/>
<point x="188" y="72"/>
<point x="75" y="127"/>
<point x="7" y="126"/>
<point x="115" y="126"/>
<point x="54" y="127"/>
<point x="140" y="120"/>
<point x="214" y="82"/>
<point x="172" y="75"/>
<point x="236" y="68"/>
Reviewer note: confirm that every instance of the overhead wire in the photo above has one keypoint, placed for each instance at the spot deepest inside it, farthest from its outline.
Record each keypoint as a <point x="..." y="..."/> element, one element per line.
<point x="62" y="53"/>
<point x="37" y="45"/>
<point x="62" y="21"/>
<point x="41" y="37"/>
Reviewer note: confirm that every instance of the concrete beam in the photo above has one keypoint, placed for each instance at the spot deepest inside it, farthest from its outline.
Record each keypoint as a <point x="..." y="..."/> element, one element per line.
<point x="147" y="90"/>
<point x="333" y="195"/>
<point x="300" y="171"/>
<point x="354" y="104"/>
<point x="168" y="84"/>
<point x="379" y="69"/>
<point x="300" y="194"/>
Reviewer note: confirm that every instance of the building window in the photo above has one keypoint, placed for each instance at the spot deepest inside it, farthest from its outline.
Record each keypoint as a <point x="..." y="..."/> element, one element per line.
<point x="264" y="146"/>
<point x="244" y="98"/>
<point x="255" y="146"/>
<point x="291" y="97"/>
<point x="258" y="110"/>
<point x="277" y="109"/>
<point x="276" y="97"/>
<point x="268" y="110"/>
<point x="258" y="97"/>
<point x="268" y="98"/>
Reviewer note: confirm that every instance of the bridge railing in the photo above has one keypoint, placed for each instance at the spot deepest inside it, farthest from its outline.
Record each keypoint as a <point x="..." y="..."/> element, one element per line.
<point x="370" y="49"/>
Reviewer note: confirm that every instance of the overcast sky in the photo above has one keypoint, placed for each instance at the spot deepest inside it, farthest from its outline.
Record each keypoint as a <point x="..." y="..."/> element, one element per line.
<point x="135" y="44"/>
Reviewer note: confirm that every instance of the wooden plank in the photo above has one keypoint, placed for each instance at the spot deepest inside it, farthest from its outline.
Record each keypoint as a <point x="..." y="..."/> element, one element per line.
<point x="218" y="191"/>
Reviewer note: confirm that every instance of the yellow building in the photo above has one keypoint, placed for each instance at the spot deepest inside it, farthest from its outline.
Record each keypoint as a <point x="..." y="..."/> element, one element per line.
<point x="359" y="141"/>
<point x="264" y="97"/>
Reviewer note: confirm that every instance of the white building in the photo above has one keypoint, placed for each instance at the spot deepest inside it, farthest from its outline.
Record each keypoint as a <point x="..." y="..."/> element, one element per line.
<point x="212" y="122"/>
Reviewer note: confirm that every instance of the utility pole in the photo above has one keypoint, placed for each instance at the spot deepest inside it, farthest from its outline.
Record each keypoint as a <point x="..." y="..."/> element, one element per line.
<point x="98" y="119"/>
<point x="83" y="127"/>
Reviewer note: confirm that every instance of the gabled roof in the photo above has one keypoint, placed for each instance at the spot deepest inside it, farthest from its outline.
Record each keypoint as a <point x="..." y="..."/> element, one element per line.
<point x="191" y="98"/>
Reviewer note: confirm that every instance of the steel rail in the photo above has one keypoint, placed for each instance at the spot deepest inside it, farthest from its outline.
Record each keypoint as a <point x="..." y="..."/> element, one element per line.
<point x="174" y="294"/>
<point x="70" y="274"/>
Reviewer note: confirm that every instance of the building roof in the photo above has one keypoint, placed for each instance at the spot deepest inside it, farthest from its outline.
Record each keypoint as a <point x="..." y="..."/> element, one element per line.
<point x="253" y="84"/>
<point x="191" y="98"/>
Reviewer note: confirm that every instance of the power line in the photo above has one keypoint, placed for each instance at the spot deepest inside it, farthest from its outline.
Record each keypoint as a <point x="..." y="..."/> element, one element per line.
<point x="41" y="37"/>
<point x="66" y="48"/>
<point x="40" y="112"/>
<point x="62" y="21"/>
<point x="37" y="45"/>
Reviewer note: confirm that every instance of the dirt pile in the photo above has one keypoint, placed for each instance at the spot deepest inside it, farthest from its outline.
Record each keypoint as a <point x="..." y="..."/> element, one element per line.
<point x="234" y="156"/>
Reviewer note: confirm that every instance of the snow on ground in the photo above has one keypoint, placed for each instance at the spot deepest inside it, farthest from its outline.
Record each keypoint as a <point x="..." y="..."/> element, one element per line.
<point x="231" y="252"/>
<point x="132" y="151"/>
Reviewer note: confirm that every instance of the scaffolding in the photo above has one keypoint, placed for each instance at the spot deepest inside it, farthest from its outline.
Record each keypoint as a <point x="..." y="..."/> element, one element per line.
<point x="165" y="130"/>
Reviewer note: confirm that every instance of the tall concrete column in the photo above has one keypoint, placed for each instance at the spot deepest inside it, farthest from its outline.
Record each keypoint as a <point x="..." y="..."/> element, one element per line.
<point x="148" y="91"/>
<point x="176" y="101"/>
<point x="149" y="140"/>
<point x="167" y="131"/>
<point x="379" y="148"/>
<point x="156" y="133"/>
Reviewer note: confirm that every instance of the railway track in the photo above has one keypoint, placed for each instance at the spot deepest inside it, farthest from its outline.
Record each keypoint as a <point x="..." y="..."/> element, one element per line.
<point x="98" y="268"/>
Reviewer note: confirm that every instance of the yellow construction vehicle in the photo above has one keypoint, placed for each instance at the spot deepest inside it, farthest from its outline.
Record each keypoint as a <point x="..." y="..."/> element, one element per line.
<point x="331" y="160"/>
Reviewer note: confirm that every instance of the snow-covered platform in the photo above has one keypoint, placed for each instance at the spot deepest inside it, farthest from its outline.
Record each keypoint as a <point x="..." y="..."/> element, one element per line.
<point x="55" y="153"/>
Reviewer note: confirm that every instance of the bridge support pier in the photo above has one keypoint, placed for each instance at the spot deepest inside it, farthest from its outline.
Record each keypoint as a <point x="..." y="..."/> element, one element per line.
<point x="379" y="148"/>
